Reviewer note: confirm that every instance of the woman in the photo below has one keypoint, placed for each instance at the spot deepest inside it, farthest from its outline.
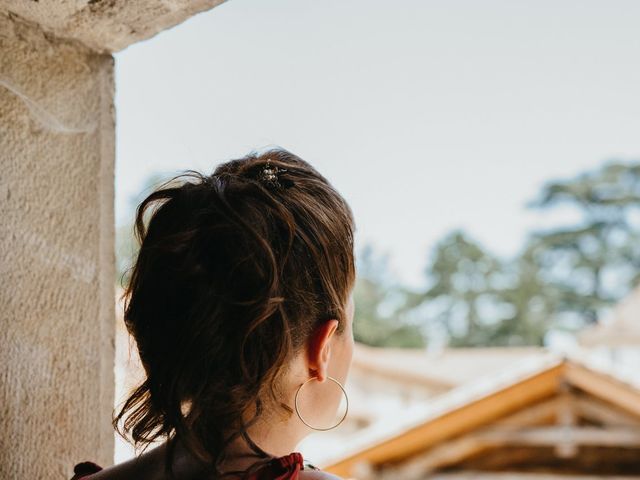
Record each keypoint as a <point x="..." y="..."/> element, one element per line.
<point x="240" y="301"/>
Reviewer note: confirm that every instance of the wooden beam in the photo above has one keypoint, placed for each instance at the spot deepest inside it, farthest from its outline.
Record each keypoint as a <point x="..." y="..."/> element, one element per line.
<point x="448" y="453"/>
<point x="604" y="387"/>
<point x="454" y="451"/>
<point x="522" y="476"/>
<point x="605" y="413"/>
<point x="542" y="413"/>
<point x="566" y="446"/>
<point x="552" y="436"/>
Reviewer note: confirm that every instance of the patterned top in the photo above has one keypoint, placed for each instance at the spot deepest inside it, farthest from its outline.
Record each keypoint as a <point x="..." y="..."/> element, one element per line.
<point x="287" y="467"/>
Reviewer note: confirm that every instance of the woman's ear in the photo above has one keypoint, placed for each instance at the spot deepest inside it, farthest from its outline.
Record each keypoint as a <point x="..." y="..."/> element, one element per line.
<point x="319" y="349"/>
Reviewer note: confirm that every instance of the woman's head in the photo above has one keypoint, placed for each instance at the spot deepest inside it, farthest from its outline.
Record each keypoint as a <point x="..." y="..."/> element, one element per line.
<point x="238" y="273"/>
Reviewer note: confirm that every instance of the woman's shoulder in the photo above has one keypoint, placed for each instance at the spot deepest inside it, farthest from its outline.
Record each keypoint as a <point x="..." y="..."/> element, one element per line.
<point x="292" y="464"/>
<point x="311" y="472"/>
<point x="317" y="475"/>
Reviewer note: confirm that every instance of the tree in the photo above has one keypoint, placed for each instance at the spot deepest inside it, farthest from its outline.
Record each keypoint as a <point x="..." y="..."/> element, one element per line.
<point x="378" y="320"/>
<point x="461" y="294"/>
<point x="595" y="261"/>
<point x="529" y="301"/>
<point x="480" y="300"/>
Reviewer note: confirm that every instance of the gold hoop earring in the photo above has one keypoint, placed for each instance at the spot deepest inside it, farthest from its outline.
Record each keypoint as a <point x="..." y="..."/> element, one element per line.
<point x="346" y="410"/>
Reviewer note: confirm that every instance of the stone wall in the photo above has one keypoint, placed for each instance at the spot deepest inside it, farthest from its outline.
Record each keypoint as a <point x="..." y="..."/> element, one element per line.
<point x="56" y="253"/>
<point x="106" y="25"/>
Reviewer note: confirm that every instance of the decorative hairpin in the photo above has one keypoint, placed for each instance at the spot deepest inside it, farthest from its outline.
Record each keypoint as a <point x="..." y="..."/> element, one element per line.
<point x="269" y="174"/>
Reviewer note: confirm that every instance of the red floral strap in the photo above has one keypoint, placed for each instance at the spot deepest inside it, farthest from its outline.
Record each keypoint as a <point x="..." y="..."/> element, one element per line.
<point x="281" y="468"/>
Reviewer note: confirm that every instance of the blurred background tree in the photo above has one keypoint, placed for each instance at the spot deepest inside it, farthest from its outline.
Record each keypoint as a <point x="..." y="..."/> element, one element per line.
<point x="378" y="319"/>
<point x="528" y="301"/>
<point x="462" y="291"/>
<point x="596" y="261"/>
<point x="564" y="277"/>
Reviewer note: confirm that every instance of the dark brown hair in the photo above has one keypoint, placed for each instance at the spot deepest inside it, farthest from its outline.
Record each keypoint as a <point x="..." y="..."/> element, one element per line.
<point x="233" y="274"/>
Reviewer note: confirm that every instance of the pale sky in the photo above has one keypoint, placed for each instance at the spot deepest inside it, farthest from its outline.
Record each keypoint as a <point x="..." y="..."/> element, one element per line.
<point x="426" y="115"/>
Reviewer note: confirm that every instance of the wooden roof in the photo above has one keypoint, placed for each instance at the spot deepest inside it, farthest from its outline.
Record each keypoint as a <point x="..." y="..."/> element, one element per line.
<point x="442" y="436"/>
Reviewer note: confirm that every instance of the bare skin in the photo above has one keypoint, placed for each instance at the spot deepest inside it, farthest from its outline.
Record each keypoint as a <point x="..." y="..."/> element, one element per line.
<point x="326" y="353"/>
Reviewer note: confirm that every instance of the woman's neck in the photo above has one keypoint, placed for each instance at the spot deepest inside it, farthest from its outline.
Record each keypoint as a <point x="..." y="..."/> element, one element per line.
<point x="274" y="436"/>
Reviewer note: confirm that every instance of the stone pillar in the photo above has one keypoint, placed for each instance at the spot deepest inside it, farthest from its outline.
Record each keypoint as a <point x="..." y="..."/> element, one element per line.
<point x="57" y="280"/>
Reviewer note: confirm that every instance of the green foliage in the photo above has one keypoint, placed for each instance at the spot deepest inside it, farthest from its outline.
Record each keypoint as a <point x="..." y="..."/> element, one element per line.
<point x="530" y="301"/>
<point x="603" y="244"/>
<point x="479" y="299"/>
<point x="560" y="274"/>
<point x="462" y="275"/>
<point x="377" y="320"/>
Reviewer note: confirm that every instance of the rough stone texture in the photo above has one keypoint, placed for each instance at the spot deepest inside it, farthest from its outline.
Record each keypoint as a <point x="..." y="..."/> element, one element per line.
<point x="56" y="254"/>
<point x="106" y="25"/>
